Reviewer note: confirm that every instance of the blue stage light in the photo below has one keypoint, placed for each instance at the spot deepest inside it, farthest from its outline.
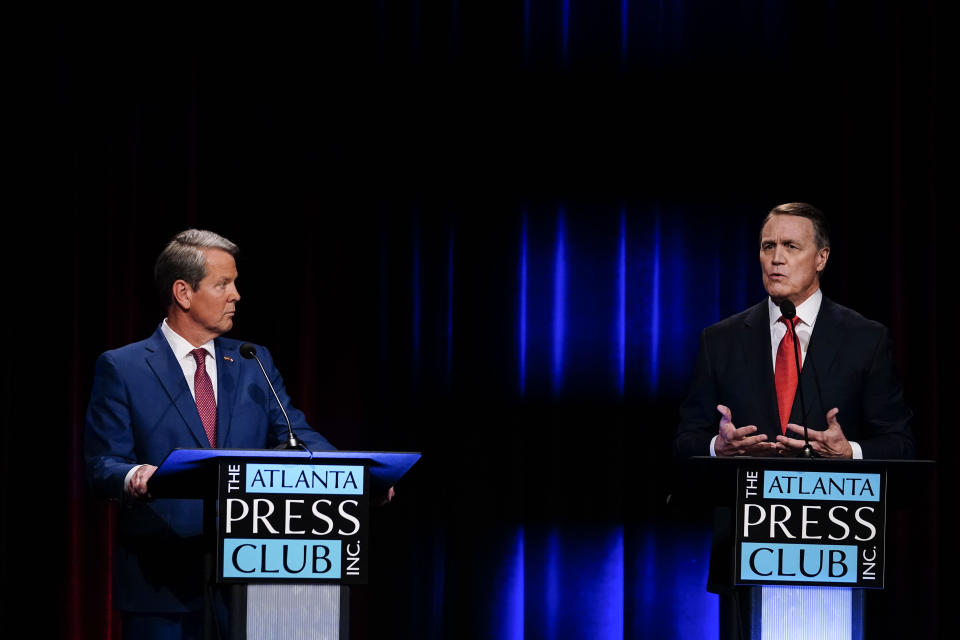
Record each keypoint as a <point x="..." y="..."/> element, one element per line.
<point x="559" y="301"/>
<point x="655" y="310"/>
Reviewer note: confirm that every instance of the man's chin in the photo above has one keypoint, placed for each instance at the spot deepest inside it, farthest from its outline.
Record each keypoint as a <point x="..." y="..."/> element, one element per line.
<point x="777" y="293"/>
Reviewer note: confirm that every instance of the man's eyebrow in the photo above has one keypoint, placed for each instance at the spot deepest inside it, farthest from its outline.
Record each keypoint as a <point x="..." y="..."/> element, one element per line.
<point x="781" y="241"/>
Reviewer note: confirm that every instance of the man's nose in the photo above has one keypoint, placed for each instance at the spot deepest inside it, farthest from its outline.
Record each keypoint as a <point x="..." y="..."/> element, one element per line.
<point x="778" y="255"/>
<point x="235" y="294"/>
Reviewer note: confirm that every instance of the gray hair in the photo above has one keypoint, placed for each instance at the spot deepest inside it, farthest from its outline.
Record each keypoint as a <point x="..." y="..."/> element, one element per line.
<point x="821" y="230"/>
<point x="183" y="259"/>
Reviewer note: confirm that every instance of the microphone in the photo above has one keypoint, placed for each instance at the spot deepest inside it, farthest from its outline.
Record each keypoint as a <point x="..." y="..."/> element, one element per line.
<point x="249" y="352"/>
<point x="789" y="311"/>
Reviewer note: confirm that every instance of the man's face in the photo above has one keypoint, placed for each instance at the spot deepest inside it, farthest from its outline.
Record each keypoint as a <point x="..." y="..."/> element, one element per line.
<point x="214" y="303"/>
<point x="789" y="258"/>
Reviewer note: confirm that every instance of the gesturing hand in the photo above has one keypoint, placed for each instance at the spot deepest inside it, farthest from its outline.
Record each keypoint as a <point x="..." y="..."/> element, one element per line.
<point x="740" y="442"/>
<point x="829" y="443"/>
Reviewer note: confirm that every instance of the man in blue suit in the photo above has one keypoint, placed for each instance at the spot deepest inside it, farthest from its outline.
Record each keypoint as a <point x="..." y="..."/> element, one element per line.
<point x="185" y="386"/>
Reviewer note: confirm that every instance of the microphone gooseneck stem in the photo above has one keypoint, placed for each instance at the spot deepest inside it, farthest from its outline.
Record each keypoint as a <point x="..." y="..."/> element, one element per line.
<point x="292" y="441"/>
<point x="248" y="351"/>
<point x="807" y="451"/>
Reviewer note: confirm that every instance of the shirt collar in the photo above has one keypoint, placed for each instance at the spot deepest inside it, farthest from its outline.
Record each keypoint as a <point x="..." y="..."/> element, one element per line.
<point x="808" y="310"/>
<point x="181" y="348"/>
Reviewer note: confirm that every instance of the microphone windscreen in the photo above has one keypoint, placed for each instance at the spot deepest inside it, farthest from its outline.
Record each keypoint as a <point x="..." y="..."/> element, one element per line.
<point x="787" y="308"/>
<point x="247" y="350"/>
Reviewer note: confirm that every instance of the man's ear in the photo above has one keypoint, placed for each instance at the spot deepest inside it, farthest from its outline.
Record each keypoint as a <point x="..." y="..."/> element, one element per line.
<point x="822" y="256"/>
<point x="182" y="294"/>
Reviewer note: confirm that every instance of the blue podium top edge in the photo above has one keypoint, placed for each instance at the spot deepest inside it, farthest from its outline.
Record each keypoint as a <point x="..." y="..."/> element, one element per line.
<point x="385" y="466"/>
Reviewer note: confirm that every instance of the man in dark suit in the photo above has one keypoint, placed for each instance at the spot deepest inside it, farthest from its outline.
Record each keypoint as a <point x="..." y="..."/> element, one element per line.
<point x="746" y="371"/>
<point x="184" y="386"/>
<point x="854" y="406"/>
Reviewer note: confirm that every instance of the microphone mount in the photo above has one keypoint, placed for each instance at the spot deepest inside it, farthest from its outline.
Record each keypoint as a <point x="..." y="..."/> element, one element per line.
<point x="789" y="312"/>
<point x="249" y="352"/>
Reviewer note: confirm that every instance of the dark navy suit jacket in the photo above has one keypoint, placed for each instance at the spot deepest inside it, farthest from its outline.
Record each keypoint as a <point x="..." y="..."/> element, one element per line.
<point x="141" y="409"/>
<point x="848" y="365"/>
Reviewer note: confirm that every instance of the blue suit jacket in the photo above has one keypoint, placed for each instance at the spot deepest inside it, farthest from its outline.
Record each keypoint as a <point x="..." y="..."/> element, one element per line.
<point x="848" y="365"/>
<point x="141" y="409"/>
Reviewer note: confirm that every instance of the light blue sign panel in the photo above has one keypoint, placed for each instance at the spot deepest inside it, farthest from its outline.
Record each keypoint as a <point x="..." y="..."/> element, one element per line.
<point x="280" y="558"/>
<point x="772" y="562"/>
<point x="304" y="478"/>
<point x="824" y="485"/>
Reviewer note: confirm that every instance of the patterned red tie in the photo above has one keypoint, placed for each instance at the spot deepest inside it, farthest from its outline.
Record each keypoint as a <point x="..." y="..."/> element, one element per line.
<point x="206" y="403"/>
<point x="785" y="374"/>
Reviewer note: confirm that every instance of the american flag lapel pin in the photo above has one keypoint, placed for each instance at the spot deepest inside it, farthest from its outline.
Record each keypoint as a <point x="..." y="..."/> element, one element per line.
<point x="228" y="358"/>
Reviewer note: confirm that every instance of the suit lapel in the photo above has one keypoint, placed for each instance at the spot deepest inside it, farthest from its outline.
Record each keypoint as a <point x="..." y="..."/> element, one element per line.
<point x="756" y="354"/>
<point x="821" y="353"/>
<point x="164" y="364"/>
<point x="228" y="373"/>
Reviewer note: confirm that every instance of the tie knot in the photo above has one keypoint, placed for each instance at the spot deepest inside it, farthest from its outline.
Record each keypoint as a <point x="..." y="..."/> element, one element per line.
<point x="794" y="321"/>
<point x="199" y="355"/>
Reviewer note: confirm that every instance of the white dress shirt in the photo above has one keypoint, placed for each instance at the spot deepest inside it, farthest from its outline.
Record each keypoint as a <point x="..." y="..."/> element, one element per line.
<point x="181" y="351"/>
<point x="807" y="314"/>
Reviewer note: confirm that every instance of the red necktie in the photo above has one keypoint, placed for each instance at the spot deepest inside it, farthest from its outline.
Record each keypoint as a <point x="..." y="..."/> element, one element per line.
<point x="785" y="374"/>
<point x="206" y="403"/>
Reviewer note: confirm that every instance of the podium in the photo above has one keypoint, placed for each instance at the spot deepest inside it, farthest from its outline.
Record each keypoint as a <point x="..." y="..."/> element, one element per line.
<point x="286" y="532"/>
<point x="797" y="542"/>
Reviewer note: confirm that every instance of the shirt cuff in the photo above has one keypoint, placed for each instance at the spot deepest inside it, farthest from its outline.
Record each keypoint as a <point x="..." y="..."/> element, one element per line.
<point x="713" y="441"/>
<point x="857" y="451"/>
<point x="126" y="480"/>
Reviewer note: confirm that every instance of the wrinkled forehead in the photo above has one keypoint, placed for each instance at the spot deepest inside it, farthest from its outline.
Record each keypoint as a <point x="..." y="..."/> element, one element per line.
<point x="783" y="226"/>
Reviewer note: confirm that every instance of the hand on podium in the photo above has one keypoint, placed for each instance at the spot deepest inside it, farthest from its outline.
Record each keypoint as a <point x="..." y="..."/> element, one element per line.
<point x="136" y="489"/>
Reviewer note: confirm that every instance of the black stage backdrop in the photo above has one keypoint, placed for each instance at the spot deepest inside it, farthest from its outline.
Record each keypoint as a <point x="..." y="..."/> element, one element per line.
<point x="487" y="231"/>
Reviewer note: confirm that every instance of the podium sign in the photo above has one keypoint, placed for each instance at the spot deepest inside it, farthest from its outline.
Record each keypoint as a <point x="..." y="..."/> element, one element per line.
<point x="292" y="520"/>
<point x="810" y="527"/>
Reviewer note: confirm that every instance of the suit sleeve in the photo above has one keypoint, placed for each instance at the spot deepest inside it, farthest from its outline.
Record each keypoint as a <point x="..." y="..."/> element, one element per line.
<point x="699" y="420"/>
<point x="108" y="437"/>
<point x="277" y="429"/>
<point x="886" y="415"/>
